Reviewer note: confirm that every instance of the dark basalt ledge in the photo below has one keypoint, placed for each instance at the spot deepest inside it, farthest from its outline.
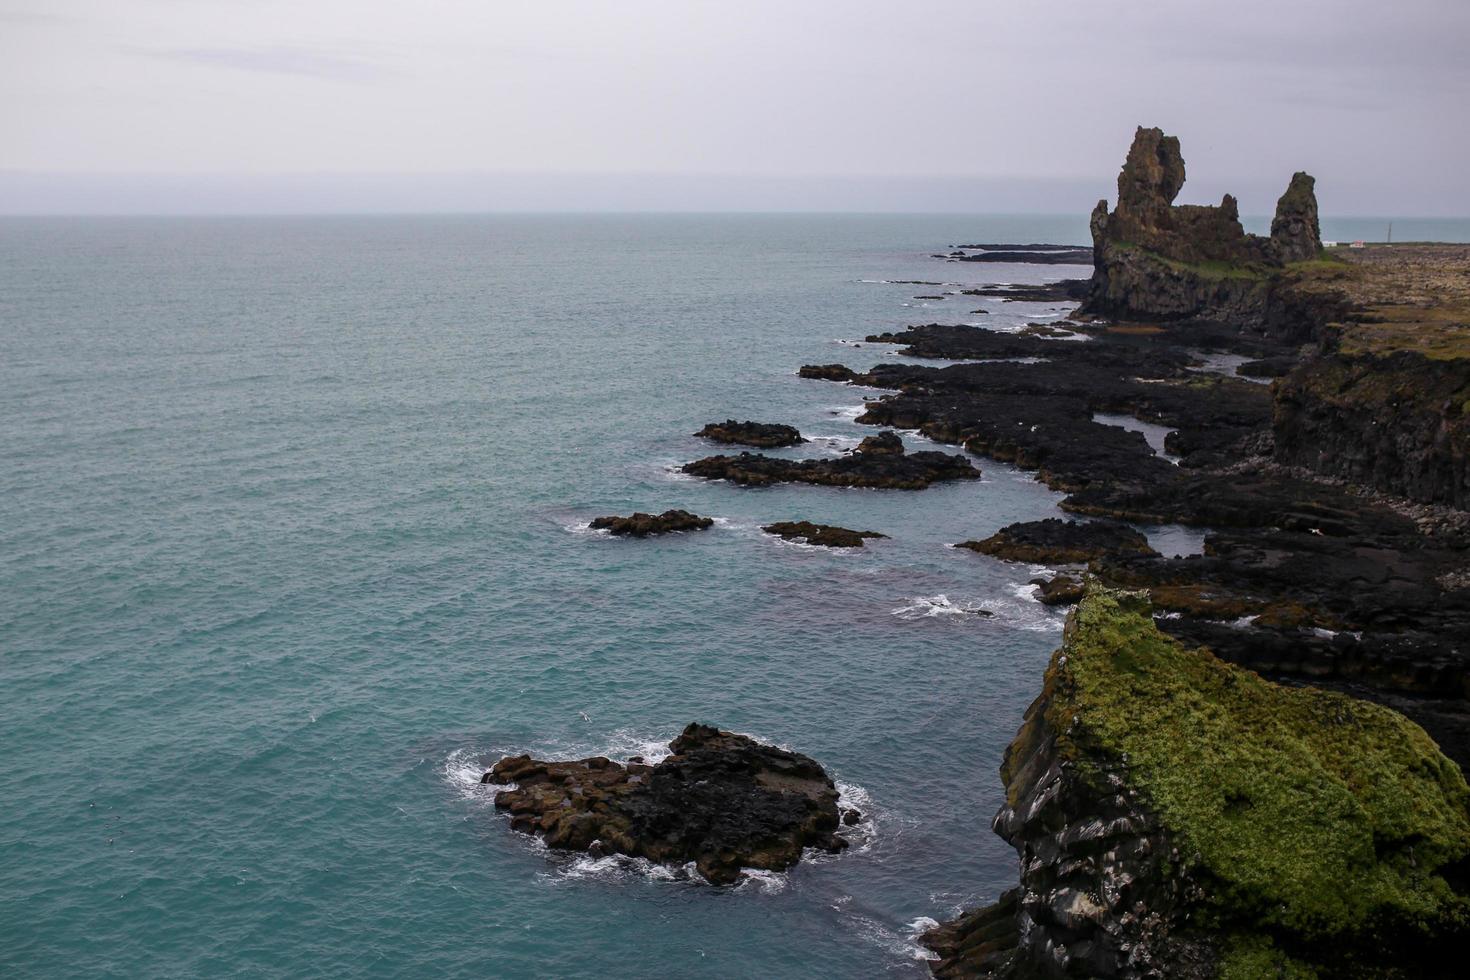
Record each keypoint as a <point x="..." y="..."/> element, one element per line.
<point x="641" y="525"/>
<point x="1301" y="577"/>
<point x="762" y="435"/>
<point x="1179" y="817"/>
<point x="723" y="801"/>
<point x="879" y="461"/>
<point x="1054" y="541"/>
<point x="1054" y="256"/>
<point x="825" y="535"/>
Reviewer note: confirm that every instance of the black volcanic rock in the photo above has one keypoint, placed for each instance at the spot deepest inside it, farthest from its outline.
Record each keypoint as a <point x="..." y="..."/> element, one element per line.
<point x="827" y="372"/>
<point x="826" y="535"/>
<point x="1054" y="541"/>
<point x="723" y="801"/>
<point x="760" y="434"/>
<point x="880" y="461"/>
<point x="641" y="525"/>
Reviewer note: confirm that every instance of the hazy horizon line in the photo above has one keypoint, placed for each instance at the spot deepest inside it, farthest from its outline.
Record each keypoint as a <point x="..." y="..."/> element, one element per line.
<point x="62" y="193"/>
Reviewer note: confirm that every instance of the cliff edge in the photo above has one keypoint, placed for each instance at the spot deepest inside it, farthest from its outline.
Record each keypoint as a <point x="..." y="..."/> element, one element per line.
<point x="1177" y="816"/>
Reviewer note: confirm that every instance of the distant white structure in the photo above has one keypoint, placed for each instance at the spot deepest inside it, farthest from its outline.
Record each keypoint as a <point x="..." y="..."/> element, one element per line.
<point x="1329" y="244"/>
<point x="1357" y="244"/>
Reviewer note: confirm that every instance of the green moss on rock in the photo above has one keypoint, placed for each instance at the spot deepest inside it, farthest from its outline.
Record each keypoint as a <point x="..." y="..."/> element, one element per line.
<point x="1329" y="823"/>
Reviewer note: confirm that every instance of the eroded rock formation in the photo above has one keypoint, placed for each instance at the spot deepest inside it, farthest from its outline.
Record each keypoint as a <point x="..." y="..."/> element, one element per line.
<point x="1153" y="259"/>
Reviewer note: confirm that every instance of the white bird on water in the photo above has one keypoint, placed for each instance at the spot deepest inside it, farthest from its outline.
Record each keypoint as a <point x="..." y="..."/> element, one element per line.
<point x="583" y="716"/>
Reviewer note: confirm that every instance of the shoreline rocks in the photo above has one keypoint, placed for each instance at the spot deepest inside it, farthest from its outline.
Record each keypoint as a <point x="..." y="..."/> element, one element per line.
<point x="878" y="462"/>
<point x="824" y="535"/>
<point x="1055" y="541"/>
<point x="641" y="525"/>
<point x="723" y="801"/>
<point x="759" y="434"/>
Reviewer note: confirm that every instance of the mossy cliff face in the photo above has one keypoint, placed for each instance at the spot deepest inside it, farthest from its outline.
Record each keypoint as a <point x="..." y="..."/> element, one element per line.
<point x="1154" y="259"/>
<point x="1177" y="816"/>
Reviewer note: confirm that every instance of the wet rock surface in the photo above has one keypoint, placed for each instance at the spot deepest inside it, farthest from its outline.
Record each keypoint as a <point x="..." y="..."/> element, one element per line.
<point x="641" y="525"/>
<point x="762" y="435"/>
<point x="721" y="800"/>
<point x="879" y="462"/>
<point x="825" y="535"/>
<point x="1055" y="541"/>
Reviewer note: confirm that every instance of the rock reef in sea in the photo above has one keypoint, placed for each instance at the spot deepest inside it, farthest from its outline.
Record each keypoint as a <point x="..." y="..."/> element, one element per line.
<point x="723" y="801"/>
<point x="825" y="535"/>
<point x="878" y="461"/>
<point x="762" y="435"/>
<point x="641" y="525"/>
<point x="1177" y="816"/>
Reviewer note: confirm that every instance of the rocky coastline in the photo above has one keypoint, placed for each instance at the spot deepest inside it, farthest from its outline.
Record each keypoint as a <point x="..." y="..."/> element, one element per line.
<point x="1246" y="762"/>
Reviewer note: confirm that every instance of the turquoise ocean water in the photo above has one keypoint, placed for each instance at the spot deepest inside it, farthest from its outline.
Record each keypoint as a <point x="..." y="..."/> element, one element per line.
<point x="292" y="548"/>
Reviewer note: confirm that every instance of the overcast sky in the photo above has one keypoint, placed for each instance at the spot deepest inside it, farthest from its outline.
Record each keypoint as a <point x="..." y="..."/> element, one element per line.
<point x="161" y="105"/>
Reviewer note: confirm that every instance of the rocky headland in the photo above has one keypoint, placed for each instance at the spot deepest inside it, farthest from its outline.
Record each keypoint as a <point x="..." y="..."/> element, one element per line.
<point x="722" y="801"/>
<point x="1177" y="813"/>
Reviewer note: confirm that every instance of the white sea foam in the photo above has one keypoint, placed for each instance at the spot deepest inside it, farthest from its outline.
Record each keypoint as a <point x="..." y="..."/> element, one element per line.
<point x="585" y="527"/>
<point x="930" y="607"/>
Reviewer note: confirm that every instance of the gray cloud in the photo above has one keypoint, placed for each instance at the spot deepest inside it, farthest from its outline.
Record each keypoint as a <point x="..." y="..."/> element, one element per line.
<point x="720" y="99"/>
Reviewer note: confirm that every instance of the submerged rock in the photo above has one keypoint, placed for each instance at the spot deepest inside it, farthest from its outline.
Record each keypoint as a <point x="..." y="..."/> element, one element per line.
<point x="1177" y="816"/>
<point x="723" y="801"/>
<point x="879" y="461"/>
<point x="826" y="535"/>
<point x="1055" y="541"/>
<point x="641" y="525"/>
<point x="760" y="434"/>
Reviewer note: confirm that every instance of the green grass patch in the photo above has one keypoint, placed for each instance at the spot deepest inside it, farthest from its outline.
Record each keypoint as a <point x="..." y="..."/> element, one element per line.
<point x="1310" y="814"/>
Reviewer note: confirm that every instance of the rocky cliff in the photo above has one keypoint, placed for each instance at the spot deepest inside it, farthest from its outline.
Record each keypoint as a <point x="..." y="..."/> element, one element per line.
<point x="1177" y="816"/>
<point x="1385" y="401"/>
<point x="1153" y="259"/>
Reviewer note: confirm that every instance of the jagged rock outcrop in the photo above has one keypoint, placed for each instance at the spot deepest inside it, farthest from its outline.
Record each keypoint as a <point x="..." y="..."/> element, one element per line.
<point x="762" y="435"/>
<point x="1153" y="259"/>
<point x="1179" y="817"/>
<point x="879" y="461"/>
<point x="724" y="801"/>
<point x="641" y="525"/>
